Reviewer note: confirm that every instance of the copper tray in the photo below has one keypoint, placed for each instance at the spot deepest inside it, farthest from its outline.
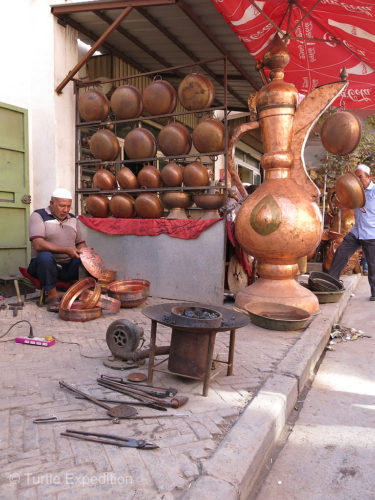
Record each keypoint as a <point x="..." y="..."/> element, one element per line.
<point x="279" y="317"/>
<point x="92" y="262"/>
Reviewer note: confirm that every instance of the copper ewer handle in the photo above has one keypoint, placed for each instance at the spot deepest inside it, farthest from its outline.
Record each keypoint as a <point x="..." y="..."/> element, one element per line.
<point x="237" y="134"/>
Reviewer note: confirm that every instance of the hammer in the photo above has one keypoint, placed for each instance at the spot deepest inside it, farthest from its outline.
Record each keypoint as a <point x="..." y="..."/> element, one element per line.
<point x="19" y="303"/>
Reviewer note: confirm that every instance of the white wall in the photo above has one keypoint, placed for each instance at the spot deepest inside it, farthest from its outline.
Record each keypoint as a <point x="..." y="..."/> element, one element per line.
<point x="37" y="53"/>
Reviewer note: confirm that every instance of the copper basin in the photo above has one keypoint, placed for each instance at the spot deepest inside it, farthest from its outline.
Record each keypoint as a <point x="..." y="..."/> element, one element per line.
<point x="208" y="136"/>
<point x="122" y="206"/>
<point x="349" y="192"/>
<point x="130" y="292"/>
<point x="93" y="106"/>
<point x="148" y="206"/>
<point x="174" y="139"/>
<point x="126" y="102"/>
<point x="196" y="91"/>
<point x="97" y="205"/>
<point x="275" y="316"/>
<point x="140" y="143"/>
<point x="159" y="98"/>
<point x="195" y="174"/>
<point x="104" y="145"/>
<point x="209" y="201"/>
<point x="149" y="177"/>
<point x="341" y="133"/>
<point x="104" y="179"/>
<point x="176" y="200"/>
<point x="127" y="179"/>
<point x="171" y="174"/>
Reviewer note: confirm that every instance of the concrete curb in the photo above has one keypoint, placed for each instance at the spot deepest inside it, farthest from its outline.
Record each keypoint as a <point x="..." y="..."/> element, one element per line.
<point x="232" y="471"/>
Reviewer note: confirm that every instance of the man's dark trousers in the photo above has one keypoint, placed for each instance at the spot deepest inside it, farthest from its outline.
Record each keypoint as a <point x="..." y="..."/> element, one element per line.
<point x="344" y="251"/>
<point x="45" y="268"/>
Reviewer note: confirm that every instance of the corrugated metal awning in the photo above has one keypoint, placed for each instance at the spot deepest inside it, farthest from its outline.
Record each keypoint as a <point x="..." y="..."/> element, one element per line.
<point x="171" y="33"/>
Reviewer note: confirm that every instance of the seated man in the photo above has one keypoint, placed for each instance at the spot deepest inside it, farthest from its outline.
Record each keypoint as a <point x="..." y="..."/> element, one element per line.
<point x="55" y="242"/>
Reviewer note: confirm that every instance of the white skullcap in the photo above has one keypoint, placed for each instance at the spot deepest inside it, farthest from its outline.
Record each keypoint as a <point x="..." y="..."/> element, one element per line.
<point x="364" y="168"/>
<point x="62" y="193"/>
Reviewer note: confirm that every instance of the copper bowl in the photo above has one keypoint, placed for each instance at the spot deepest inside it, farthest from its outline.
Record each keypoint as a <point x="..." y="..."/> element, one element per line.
<point x="122" y="206"/>
<point x="208" y="136"/>
<point x="195" y="174"/>
<point x="97" y="205"/>
<point x="127" y="179"/>
<point x="174" y="139"/>
<point x="176" y="200"/>
<point x="341" y="133"/>
<point x="140" y="143"/>
<point x="93" y="106"/>
<point x="77" y="314"/>
<point x="209" y="201"/>
<point x="126" y="102"/>
<point x="148" y="206"/>
<point x="171" y="174"/>
<point x="349" y="192"/>
<point x="104" y="145"/>
<point x="159" y="98"/>
<point x="108" y="275"/>
<point x="149" y="177"/>
<point x="104" y="179"/>
<point x="196" y="91"/>
<point x="130" y="292"/>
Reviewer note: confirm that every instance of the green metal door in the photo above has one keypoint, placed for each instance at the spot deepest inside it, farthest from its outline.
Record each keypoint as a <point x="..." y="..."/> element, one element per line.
<point x="14" y="189"/>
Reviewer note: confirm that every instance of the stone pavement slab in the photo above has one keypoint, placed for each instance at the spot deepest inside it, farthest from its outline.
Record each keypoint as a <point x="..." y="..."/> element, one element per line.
<point x="219" y="449"/>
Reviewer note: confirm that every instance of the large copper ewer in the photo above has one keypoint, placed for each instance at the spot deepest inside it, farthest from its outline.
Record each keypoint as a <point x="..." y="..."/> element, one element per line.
<point x="281" y="222"/>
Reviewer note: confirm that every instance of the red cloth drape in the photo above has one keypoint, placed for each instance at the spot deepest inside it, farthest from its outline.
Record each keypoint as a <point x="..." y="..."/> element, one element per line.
<point x="186" y="229"/>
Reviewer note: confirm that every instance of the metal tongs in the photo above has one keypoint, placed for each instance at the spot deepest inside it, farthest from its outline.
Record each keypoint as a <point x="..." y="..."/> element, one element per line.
<point x="110" y="439"/>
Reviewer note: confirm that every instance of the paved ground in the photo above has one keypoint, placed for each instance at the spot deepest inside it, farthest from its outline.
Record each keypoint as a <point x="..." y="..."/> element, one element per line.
<point x="218" y="450"/>
<point x="330" y="451"/>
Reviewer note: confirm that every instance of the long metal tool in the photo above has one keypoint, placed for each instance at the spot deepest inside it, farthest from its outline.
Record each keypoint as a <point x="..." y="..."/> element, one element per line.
<point x="119" y="411"/>
<point x="132" y="403"/>
<point x="110" y="439"/>
<point x="56" y="420"/>
<point x="175" y="402"/>
<point x="151" y="389"/>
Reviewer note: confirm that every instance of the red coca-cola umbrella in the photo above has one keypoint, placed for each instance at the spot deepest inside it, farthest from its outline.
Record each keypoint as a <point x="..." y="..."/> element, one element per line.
<point x="323" y="37"/>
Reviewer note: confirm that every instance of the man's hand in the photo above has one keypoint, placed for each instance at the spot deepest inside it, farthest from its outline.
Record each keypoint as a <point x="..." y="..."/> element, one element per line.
<point x="72" y="252"/>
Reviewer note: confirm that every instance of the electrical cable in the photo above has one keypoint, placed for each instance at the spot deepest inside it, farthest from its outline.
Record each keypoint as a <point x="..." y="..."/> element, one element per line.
<point x="31" y="335"/>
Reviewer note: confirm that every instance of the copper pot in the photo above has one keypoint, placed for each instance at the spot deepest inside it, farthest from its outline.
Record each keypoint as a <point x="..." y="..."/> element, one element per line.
<point x="176" y="200"/>
<point x="103" y="179"/>
<point x="171" y="174"/>
<point x="127" y="179"/>
<point x="208" y="136"/>
<point x="149" y="177"/>
<point x="126" y="102"/>
<point x="209" y="201"/>
<point x="159" y="98"/>
<point x="196" y="91"/>
<point x="97" y="205"/>
<point x="341" y="133"/>
<point x="174" y="139"/>
<point x="122" y="206"/>
<point x="140" y="143"/>
<point x="349" y="192"/>
<point x="148" y="206"/>
<point x="104" y="145"/>
<point x="195" y="174"/>
<point x="93" y="106"/>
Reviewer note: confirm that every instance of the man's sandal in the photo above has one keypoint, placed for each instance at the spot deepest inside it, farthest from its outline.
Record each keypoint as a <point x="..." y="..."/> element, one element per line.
<point x="53" y="305"/>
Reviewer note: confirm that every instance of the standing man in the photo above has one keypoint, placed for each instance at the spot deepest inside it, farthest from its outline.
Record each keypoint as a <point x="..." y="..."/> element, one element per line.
<point x="55" y="243"/>
<point x="362" y="233"/>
